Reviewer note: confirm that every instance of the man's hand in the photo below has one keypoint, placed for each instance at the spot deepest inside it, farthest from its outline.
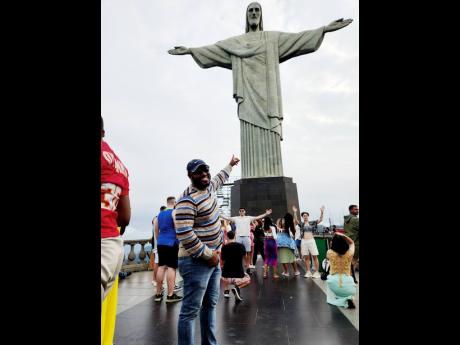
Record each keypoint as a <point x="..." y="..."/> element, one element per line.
<point x="322" y="209"/>
<point x="294" y="209"/>
<point x="214" y="259"/>
<point x="268" y="211"/>
<point x="234" y="161"/>
<point x="337" y="24"/>
<point x="179" y="51"/>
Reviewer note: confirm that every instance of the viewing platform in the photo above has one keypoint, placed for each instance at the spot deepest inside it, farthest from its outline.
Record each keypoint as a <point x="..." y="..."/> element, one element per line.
<point x="287" y="311"/>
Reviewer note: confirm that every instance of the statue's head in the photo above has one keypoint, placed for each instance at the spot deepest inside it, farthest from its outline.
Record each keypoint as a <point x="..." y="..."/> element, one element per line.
<point x="254" y="17"/>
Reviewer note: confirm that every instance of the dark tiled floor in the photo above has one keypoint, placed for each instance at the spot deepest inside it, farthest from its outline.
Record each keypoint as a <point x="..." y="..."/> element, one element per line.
<point x="290" y="311"/>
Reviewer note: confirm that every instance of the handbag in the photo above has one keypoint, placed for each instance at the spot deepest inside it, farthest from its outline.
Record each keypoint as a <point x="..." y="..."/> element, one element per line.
<point x="325" y="273"/>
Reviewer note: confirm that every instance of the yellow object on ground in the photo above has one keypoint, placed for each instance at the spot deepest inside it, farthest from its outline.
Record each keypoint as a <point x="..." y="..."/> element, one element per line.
<point x="109" y="315"/>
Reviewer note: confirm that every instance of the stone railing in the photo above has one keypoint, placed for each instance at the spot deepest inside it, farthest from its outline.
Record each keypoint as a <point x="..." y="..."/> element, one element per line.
<point x="133" y="262"/>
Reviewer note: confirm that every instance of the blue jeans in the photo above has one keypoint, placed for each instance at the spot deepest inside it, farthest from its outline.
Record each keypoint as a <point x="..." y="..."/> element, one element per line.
<point x="201" y="293"/>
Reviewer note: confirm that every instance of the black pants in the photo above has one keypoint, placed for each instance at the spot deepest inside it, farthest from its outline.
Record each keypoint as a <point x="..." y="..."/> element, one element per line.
<point x="258" y="248"/>
<point x="353" y="273"/>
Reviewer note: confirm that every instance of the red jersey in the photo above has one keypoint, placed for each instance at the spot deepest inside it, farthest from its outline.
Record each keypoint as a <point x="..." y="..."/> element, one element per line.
<point x="114" y="184"/>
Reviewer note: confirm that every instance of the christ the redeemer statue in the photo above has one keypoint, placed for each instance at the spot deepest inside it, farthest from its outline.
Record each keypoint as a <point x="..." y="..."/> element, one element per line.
<point x="254" y="59"/>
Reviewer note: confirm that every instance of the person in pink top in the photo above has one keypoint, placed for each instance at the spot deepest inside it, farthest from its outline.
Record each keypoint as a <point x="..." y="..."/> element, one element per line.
<point x="251" y="238"/>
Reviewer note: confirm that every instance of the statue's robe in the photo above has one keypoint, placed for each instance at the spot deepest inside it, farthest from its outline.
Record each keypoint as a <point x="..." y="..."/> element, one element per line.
<point x="254" y="59"/>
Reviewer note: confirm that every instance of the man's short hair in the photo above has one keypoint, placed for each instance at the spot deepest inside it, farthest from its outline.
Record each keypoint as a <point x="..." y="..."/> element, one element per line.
<point x="231" y="235"/>
<point x="308" y="214"/>
<point x="352" y="207"/>
<point x="162" y="208"/>
<point x="242" y="208"/>
<point x="170" y="198"/>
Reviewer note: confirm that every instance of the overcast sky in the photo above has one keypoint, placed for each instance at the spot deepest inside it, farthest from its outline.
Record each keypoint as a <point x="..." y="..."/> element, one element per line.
<point x="160" y="110"/>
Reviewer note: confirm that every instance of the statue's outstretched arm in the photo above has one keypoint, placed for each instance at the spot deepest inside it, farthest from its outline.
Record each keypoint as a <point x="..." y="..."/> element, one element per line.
<point x="337" y="24"/>
<point x="179" y="51"/>
<point x="207" y="56"/>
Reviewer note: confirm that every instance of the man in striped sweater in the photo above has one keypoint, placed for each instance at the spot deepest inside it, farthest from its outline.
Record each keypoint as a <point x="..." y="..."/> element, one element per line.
<point x="198" y="231"/>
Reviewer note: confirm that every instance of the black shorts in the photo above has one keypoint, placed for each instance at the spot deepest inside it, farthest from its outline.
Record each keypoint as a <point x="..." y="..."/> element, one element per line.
<point x="167" y="256"/>
<point x="232" y="273"/>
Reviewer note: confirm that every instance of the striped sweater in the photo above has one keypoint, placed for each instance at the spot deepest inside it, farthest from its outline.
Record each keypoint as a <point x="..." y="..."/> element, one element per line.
<point x="197" y="219"/>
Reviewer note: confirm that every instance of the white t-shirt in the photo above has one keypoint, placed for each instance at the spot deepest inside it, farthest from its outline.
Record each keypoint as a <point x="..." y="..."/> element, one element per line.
<point x="297" y="233"/>
<point x="243" y="225"/>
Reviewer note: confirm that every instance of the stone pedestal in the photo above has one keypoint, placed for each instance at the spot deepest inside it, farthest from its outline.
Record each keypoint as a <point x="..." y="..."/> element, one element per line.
<point x="258" y="194"/>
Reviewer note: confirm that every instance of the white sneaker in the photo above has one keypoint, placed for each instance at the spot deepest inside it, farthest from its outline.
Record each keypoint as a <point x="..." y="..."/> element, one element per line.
<point x="154" y="283"/>
<point x="307" y="275"/>
<point x="236" y="292"/>
<point x="285" y="274"/>
<point x="297" y="273"/>
<point x="316" y="275"/>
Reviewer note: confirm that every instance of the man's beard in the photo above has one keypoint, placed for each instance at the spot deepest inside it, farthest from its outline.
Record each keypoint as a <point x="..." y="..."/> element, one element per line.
<point x="200" y="184"/>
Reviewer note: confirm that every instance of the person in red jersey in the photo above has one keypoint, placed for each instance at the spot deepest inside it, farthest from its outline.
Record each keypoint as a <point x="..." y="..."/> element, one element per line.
<point x="115" y="212"/>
